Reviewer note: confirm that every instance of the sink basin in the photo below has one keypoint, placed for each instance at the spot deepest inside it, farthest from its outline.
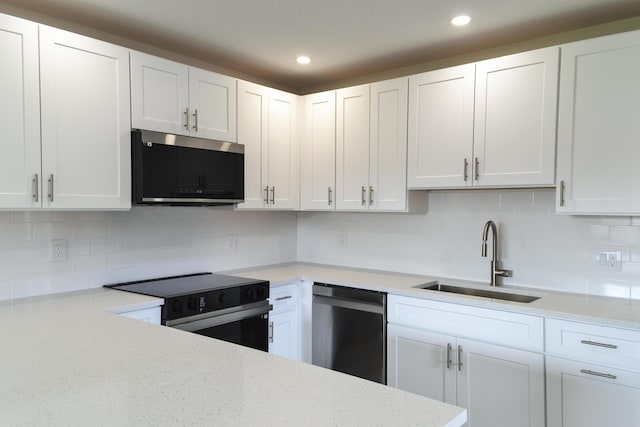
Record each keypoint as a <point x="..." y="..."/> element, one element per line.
<point x="485" y="293"/>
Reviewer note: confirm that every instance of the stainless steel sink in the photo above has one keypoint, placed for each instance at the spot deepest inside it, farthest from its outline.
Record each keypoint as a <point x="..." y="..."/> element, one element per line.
<point x="485" y="293"/>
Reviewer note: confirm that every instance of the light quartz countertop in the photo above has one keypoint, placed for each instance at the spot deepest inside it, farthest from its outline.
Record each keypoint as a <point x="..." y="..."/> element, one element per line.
<point x="618" y="312"/>
<point x="68" y="360"/>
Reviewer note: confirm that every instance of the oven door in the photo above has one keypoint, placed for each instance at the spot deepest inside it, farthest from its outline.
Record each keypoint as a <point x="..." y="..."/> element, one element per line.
<point x="246" y="325"/>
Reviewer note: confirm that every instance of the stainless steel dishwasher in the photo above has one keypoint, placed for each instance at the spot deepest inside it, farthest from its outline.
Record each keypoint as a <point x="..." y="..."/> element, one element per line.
<point x="350" y="331"/>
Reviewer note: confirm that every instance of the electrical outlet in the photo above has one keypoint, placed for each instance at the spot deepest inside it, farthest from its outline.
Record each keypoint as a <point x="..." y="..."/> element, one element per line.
<point x="58" y="250"/>
<point x="343" y="239"/>
<point x="610" y="260"/>
<point x="230" y="242"/>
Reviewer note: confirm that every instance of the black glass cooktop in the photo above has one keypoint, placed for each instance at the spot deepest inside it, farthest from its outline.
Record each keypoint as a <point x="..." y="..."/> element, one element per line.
<point x="175" y="286"/>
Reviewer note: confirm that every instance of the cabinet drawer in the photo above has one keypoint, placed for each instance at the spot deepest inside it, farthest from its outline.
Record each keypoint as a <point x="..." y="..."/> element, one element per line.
<point x="493" y="326"/>
<point x="595" y="343"/>
<point x="284" y="297"/>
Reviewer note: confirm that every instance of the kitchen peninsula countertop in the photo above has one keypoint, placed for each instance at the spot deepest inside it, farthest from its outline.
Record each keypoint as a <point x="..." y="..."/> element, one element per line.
<point x="617" y="312"/>
<point x="67" y="360"/>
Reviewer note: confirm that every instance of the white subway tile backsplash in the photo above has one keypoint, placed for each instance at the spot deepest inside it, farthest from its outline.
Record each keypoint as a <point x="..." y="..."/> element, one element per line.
<point x="14" y="232"/>
<point x="544" y="250"/>
<point x="625" y="234"/>
<point x="599" y="233"/>
<point x="110" y="247"/>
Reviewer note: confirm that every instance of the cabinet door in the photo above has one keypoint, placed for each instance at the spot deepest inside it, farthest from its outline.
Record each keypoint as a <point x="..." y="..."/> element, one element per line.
<point x="318" y="170"/>
<point x="440" y="128"/>
<point x="212" y="104"/>
<point x="352" y="148"/>
<point x="421" y="362"/>
<point x="282" y="155"/>
<point x="388" y="146"/>
<point x="253" y="102"/>
<point x="19" y="114"/>
<point x="500" y="386"/>
<point x="86" y="127"/>
<point x="159" y="94"/>
<point x="515" y="119"/>
<point x="584" y="395"/>
<point x="284" y="336"/>
<point x="598" y="128"/>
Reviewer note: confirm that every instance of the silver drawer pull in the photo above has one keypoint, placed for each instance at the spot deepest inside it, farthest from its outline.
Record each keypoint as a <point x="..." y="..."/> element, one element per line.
<point x="448" y="356"/>
<point x="270" y="332"/>
<point x="282" y="298"/>
<point x="598" y="344"/>
<point x="598" y="374"/>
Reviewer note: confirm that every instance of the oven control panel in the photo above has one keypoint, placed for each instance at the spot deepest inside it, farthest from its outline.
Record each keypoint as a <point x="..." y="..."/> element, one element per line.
<point x="220" y="299"/>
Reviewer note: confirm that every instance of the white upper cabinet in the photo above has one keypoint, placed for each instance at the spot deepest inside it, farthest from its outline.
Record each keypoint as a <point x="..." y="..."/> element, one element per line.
<point x="19" y="114"/>
<point x="352" y="148"/>
<point x="212" y="100"/>
<point x="500" y="134"/>
<point x="283" y="168"/>
<point x="371" y="147"/>
<point x="599" y="112"/>
<point x="85" y="122"/>
<point x="388" y="145"/>
<point x="167" y="96"/>
<point x="268" y="129"/>
<point x="318" y="171"/>
<point x="515" y="119"/>
<point x="441" y="127"/>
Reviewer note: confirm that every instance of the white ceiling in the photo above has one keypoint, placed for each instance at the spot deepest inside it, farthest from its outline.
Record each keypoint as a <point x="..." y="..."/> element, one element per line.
<point x="344" y="38"/>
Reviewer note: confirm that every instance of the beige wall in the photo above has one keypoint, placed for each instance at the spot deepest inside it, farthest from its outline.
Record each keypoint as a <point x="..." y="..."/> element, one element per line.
<point x="472" y="56"/>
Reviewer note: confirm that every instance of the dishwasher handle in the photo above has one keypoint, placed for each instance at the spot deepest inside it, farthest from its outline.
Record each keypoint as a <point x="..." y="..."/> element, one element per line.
<point x="350" y="304"/>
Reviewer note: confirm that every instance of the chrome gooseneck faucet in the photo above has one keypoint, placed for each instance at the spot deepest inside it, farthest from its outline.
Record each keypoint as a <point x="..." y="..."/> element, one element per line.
<point x="496" y="272"/>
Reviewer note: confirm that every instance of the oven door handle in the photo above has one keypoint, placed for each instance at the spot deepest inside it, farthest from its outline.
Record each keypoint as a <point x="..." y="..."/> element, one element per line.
<point x="220" y="319"/>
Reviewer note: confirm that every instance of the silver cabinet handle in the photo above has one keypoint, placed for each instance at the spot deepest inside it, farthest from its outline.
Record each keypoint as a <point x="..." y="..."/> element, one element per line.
<point x="370" y="195"/>
<point x="50" y="180"/>
<point x="186" y="118"/>
<point x="598" y="374"/>
<point x="477" y="169"/>
<point x="459" y="358"/>
<point x="195" y="120"/>
<point x="34" y="188"/>
<point x="448" y="356"/>
<point x="561" y="193"/>
<point x="273" y="195"/>
<point x="330" y="196"/>
<point x="364" y="195"/>
<point x="466" y="169"/>
<point x="598" y="344"/>
<point x="270" y="333"/>
<point x="283" y="298"/>
<point x="266" y="195"/>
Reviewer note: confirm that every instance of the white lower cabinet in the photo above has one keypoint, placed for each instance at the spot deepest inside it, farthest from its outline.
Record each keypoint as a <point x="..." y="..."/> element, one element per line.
<point x="429" y="353"/>
<point x="592" y="375"/>
<point x="285" y="321"/>
<point x="581" y="394"/>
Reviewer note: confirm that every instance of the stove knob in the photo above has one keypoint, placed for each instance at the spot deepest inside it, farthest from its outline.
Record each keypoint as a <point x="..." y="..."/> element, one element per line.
<point x="177" y="306"/>
<point x="192" y="303"/>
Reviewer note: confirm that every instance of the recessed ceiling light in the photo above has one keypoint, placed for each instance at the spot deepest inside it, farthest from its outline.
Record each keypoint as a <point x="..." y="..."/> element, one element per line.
<point x="460" y="20"/>
<point x="303" y="60"/>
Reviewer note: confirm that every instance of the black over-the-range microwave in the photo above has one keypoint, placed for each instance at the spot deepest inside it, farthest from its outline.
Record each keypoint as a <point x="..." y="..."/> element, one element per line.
<point x="180" y="170"/>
